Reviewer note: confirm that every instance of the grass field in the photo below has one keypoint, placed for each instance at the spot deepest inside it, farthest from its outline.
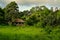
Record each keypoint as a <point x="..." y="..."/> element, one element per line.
<point x="28" y="33"/>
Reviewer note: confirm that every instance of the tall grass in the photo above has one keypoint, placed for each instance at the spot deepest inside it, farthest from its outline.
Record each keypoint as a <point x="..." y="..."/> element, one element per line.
<point x="27" y="33"/>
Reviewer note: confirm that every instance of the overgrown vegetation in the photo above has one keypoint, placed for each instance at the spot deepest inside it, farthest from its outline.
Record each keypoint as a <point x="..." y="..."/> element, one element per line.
<point x="29" y="33"/>
<point x="41" y="23"/>
<point x="40" y="15"/>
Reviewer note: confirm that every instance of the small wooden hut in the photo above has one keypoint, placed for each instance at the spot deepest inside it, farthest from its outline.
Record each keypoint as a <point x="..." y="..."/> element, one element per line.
<point x="18" y="22"/>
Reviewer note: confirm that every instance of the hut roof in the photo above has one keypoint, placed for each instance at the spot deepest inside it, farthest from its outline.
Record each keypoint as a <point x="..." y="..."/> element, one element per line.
<point x="19" y="20"/>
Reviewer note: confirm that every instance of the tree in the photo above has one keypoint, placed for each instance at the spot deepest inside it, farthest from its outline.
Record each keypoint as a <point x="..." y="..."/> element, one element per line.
<point x="1" y="15"/>
<point x="11" y="11"/>
<point x="38" y="15"/>
<point x="24" y="14"/>
<point x="58" y="17"/>
<point x="33" y="19"/>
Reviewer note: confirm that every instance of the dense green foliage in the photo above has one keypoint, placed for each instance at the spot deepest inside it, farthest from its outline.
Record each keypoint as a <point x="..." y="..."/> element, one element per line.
<point x="11" y="12"/>
<point x="41" y="23"/>
<point x="1" y="16"/>
<point x="39" y="16"/>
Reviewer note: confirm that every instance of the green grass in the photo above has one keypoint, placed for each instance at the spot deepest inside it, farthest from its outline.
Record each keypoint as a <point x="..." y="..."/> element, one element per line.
<point x="28" y="33"/>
